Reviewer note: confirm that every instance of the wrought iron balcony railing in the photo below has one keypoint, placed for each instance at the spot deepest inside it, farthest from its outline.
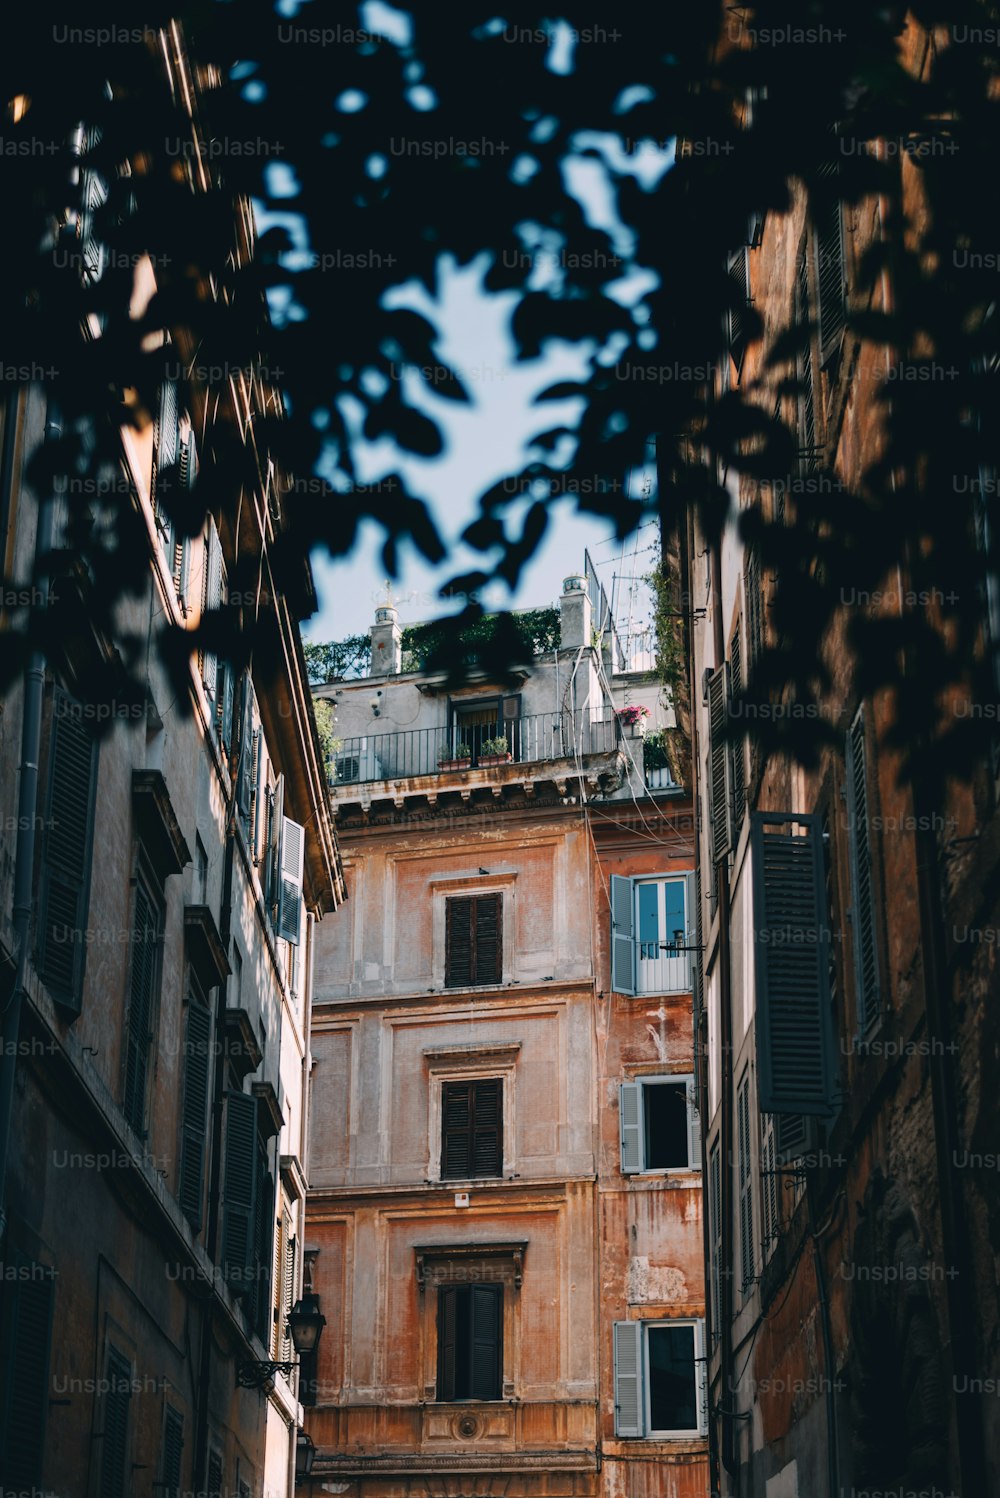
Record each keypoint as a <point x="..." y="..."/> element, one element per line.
<point x="446" y="750"/>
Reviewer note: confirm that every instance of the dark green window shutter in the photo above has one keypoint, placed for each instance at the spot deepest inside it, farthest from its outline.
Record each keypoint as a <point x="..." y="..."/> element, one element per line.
<point x="473" y="941"/>
<point x="245" y="769"/>
<point x="486" y="1305"/>
<point x="239" y="1188"/>
<point x="489" y="938"/>
<point x="862" y="882"/>
<point x="744" y="1171"/>
<point x="211" y="600"/>
<point x="795" y="1060"/>
<point x="447" y="1319"/>
<point x="261" y="1311"/>
<point x="24" y="1357"/>
<point x="719" y="760"/>
<point x="831" y="280"/>
<point x="64" y="895"/>
<point x="698" y="955"/>
<point x="629" y="1402"/>
<point x="226" y="681"/>
<point x="214" y="1474"/>
<point x="738" y="266"/>
<point x="622" y="935"/>
<point x="197" y="1049"/>
<point x="472" y="1128"/>
<point x="114" y="1447"/>
<point x="142" y="998"/>
<point x="738" y="744"/>
<point x="173" y="1450"/>
<point x="805" y="371"/>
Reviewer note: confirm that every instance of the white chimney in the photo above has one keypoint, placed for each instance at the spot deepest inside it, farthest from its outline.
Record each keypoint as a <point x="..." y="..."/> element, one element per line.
<point x="574" y="613"/>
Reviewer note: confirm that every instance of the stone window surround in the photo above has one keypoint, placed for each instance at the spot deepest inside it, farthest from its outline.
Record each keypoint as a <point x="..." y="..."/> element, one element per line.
<point x="502" y="884"/>
<point x="451" y="1263"/>
<point x="462" y="1063"/>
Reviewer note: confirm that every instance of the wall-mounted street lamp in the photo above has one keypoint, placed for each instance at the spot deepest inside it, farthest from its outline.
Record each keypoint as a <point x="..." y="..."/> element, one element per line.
<point x="305" y="1452"/>
<point x="305" y="1326"/>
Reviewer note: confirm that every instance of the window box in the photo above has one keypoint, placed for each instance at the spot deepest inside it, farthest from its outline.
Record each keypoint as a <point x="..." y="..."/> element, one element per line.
<point x="495" y="759"/>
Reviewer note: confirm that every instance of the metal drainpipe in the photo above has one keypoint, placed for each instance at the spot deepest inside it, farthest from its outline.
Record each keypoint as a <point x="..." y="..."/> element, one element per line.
<point x="27" y="809"/>
<point x="730" y="1459"/>
<point x="701" y="1052"/>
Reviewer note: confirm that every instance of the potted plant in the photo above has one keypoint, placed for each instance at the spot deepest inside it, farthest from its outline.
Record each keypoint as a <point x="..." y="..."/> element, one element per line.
<point x="634" y="717"/>
<point x="656" y="762"/>
<point x="495" y="751"/>
<point x="458" y="758"/>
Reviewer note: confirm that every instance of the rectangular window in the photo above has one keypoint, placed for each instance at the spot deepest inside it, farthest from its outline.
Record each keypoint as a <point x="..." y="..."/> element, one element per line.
<point x="114" y="1432"/>
<point x="25" y="1339"/>
<point x="652" y="934"/>
<point x="744" y="1172"/>
<point x="64" y="890"/>
<point x="144" y="980"/>
<point x="473" y="941"/>
<point x="470" y="1337"/>
<point x="472" y="1129"/>
<point x="659" y="1125"/>
<point x="862" y="878"/>
<point x="660" y="1379"/>
<point x="478" y="725"/>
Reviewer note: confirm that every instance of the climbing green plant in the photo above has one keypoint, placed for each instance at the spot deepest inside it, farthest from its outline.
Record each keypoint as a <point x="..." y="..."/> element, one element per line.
<point x="530" y="632"/>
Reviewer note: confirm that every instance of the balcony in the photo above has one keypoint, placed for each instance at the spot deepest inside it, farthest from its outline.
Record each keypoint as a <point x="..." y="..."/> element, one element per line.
<point x="415" y="752"/>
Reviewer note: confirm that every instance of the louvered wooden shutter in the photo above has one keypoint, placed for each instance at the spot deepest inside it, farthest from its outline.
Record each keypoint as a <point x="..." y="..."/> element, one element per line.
<point x="715" y="1227"/>
<point x="795" y="1063"/>
<point x="211" y="600"/>
<point x="64" y="896"/>
<point x="456" y="1130"/>
<point x="447" y="1319"/>
<point x="24" y="1357"/>
<point x="485" y="1306"/>
<point x="745" y="1180"/>
<point x="291" y="857"/>
<point x="287" y="1284"/>
<point x="862" y="882"/>
<point x="226" y="685"/>
<point x="173" y="1449"/>
<point x="720" y="765"/>
<point x="458" y="943"/>
<point x="277" y="1337"/>
<point x="489" y="936"/>
<point x="754" y="607"/>
<point x="244" y="773"/>
<point x="197" y="1049"/>
<point x="622" y="935"/>
<point x="275" y="818"/>
<point x="831" y="279"/>
<point x="629" y="1402"/>
<point x="701" y="1376"/>
<point x="806" y="380"/>
<point x="265" y="1227"/>
<point x="738" y="744"/>
<point x="698" y="955"/>
<point x="114" y="1446"/>
<point x="142" y="998"/>
<point x="694" y="1125"/>
<point x="738" y="266"/>
<point x="238" y="1215"/>
<point x="487" y="1142"/>
<point x="214" y="1474"/>
<point x="630" y="1126"/>
<point x="768" y="1183"/>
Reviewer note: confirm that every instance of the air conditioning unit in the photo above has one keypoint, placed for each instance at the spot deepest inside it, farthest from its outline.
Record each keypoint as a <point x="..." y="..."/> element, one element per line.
<point x="353" y="768"/>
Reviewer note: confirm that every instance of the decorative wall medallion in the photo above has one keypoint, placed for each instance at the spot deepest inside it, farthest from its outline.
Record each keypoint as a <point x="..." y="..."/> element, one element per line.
<point x="467" y="1427"/>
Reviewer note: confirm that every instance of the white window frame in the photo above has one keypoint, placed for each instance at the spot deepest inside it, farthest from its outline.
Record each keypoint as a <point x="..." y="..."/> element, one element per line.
<point x="700" y="1380"/>
<point x="660" y="1079"/>
<point x="680" y="967"/>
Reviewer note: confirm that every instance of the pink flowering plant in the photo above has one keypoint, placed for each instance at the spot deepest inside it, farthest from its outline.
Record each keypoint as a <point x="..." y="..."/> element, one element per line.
<point x="633" y="714"/>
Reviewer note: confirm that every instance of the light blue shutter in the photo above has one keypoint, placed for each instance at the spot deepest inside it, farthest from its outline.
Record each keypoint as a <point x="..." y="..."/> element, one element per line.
<point x="630" y="1126"/>
<point x="694" y="1124"/>
<point x="795" y="1060"/>
<point x="622" y="935"/>
<point x="629" y="1411"/>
